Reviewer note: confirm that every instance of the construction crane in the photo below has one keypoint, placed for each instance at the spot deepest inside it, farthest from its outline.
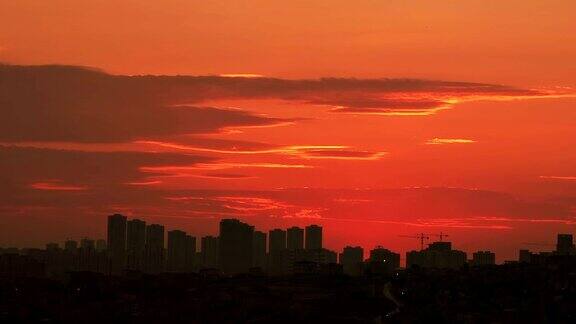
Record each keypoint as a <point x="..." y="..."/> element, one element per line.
<point x="421" y="237"/>
<point x="441" y="236"/>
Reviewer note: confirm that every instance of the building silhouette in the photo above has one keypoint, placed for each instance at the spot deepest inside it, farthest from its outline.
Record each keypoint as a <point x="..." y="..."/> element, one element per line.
<point x="241" y="249"/>
<point x="277" y="251"/>
<point x="313" y="237"/>
<point x="117" y="241"/>
<point x="277" y="239"/>
<point x="382" y="261"/>
<point x="437" y="255"/>
<point x="155" y="236"/>
<point x="190" y="263"/>
<point x="154" y="252"/>
<point x="87" y="258"/>
<point x="70" y="246"/>
<point x="565" y="250"/>
<point x="52" y="247"/>
<point x="295" y="238"/>
<point x="100" y="245"/>
<point x="177" y="247"/>
<point x="86" y="243"/>
<point x="210" y="253"/>
<point x="351" y="259"/>
<point x="259" y="250"/>
<point x="540" y="258"/>
<point x="565" y="244"/>
<point x="235" y="246"/>
<point x="135" y="244"/>
<point x="482" y="258"/>
<point x="319" y="256"/>
<point x="524" y="256"/>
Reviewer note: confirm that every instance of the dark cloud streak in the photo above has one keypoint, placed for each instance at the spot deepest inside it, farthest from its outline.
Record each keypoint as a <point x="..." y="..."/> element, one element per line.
<point x="64" y="103"/>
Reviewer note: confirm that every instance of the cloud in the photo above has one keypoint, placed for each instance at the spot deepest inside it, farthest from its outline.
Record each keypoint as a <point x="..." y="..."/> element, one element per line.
<point x="192" y="170"/>
<point x="211" y="145"/>
<point x="442" y="141"/>
<point x="68" y="170"/>
<point x="389" y="107"/>
<point x="241" y="75"/>
<point x="231" y="202"/>
<point x="66" y="103"/>
<point x="340" y="152"/>
<point x="144" y="183"/>
<point x="56" y="185"/>
<point x="569" y="178"/>
<point x="226" y="176"/>
<point x="60" y="103"/>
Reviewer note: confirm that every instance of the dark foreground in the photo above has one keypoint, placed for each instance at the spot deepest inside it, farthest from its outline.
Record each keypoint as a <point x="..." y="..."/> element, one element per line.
<point x="499" y="294"/>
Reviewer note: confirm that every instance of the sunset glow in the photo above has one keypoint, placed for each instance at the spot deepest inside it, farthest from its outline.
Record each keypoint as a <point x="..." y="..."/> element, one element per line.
<point x="374" y="119"/>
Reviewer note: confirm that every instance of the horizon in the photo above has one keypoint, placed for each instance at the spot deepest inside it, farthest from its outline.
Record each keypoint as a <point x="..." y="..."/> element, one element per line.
<point x="425" y="241"/>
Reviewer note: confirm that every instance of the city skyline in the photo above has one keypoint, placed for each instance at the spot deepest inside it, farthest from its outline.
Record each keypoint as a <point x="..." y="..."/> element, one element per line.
<point x="276" y="239"/>
<point x="132" y="244"/>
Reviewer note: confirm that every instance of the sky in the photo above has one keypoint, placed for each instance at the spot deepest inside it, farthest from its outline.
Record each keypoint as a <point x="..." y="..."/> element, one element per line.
<point x="373" y="119"/>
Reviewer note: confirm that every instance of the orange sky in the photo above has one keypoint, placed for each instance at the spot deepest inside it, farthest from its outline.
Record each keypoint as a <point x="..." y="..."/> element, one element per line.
<point x="484" y="152"/>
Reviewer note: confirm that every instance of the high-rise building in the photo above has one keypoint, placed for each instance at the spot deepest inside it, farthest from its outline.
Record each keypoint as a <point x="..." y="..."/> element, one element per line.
<point x="177" y="246"/>
<point x="117" y="241"/>
<point x="277" y="240"/>
<point x="351" y="259"/>
<point x="52" y="247"/>
<point x="313" y="237"/>
<point x="539" y="258"/>
<point x="190" y="254"/>
<point x="135" y="244"/>
<point x="385" y="256"/>
<point x="319" y="256"/>
<point x="437" y="255"/>
<point x="86" y="243"/>
<point x="295" y="238"/>
<point x="524" y="256"/>
<point x="100" y="245"/>
<point x="154" y="253"/>
<point x="135" y="235"/>
<point x="259" y="250"/>
<point x="155" y="236"/>
<point x="209" y="252"/>
<point x="70" y="246"/>
<point x="235" y="246"/>
<point x="87" y="258"/>
<point x="482" y="258"/>
<point x="565" y="244"/>
<point x="276" y="248"/>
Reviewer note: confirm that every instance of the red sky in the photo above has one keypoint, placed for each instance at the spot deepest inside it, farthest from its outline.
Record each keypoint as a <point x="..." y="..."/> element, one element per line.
<point x="372" y="118"/>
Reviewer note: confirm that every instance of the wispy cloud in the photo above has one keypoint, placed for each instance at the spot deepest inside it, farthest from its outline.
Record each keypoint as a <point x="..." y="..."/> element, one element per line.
<point x="182" y="170"/>
<point x="241" y="75"/>
<point x="56" y="185"/>
<point x="81" y="168"/>
<point x="65" y="103"/>
<point x="442" y="141"/>
<point x="225" y="176"/>
<point x="144" y="183"/>
<point x="569" y="178"/>
<point x="339" y="152"/>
